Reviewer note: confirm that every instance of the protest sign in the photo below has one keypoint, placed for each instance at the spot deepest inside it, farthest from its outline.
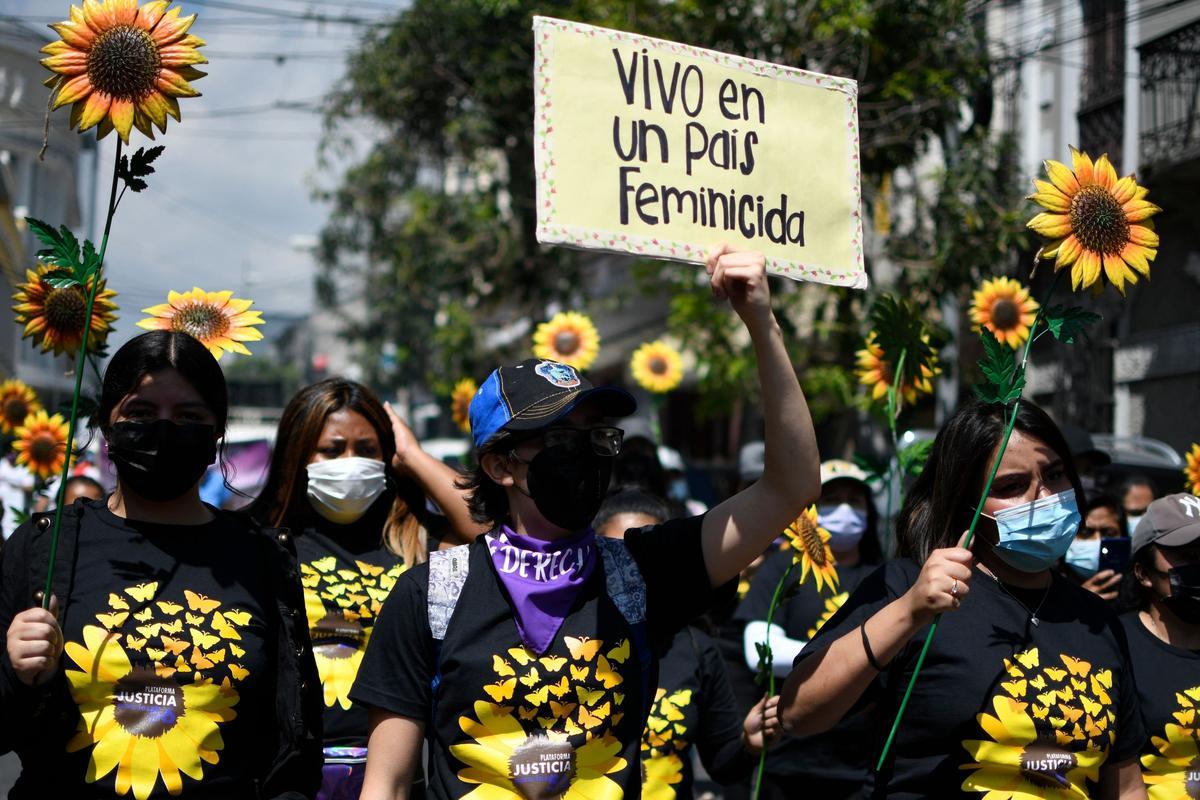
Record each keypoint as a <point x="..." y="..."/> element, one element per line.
<point x="654" y="148"/>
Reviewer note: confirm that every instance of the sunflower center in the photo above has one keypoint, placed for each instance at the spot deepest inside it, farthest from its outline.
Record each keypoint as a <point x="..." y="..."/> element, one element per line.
<point x="658" y="366"/>
<point x="1098" y="220"/>
<point x="43" y="449"/>
<point x="1047" y="765"/>
<point x="66" y="309"/>
<point x="15" y="410"/>
<point x="1005" y="314"/>
<point x="336" y="637"/>
<point x="810" y="540"/>
<point x="124" y="63"/>
<point x="567" y="342"/>
<point x="201" y="322"/>
<point x="147" y="705"/>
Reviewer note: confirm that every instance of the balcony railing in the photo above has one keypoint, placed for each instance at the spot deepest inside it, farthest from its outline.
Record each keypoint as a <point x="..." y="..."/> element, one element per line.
<point x="1170" y="78"/>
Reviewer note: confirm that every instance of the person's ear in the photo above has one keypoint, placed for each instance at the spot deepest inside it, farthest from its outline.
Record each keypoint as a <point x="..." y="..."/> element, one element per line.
<point x="1139" y="572"/>
<point x="498" y="467"/>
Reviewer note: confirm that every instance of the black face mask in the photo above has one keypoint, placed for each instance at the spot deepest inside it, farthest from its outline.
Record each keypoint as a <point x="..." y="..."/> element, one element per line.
<point x="568" y="484"/>
<point x="1184" y="600"/>
<point x="161" y="460"/>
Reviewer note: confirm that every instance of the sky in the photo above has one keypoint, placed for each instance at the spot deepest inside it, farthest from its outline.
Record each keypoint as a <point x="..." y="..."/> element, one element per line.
<point x="230" y="205"/>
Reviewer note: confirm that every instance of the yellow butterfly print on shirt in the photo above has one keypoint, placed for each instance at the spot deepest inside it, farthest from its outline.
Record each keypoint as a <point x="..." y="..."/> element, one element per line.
<point x="143" y="592"/>
<point x="173" y="627"/>
<point x="368" y="569"/>
<point x="579" y="673"/>
<point x="532" y="678"/>
<point x="174" y="646"/>
<point x="583" y="648"/>
<point x="521" y="655"/>
<point x="606" y="674"/>
<point x="1077" y="666"/>
<point x="116" y="602"/>
<point x="238" y="672"/>
<point x="538" y="697"/>
<point x="561" y="688"/>
<point x="169" y="608"/>
<point x="144" y="615"/>
<point x="202" y="639"/>
<point x="198" y="602"/>
<point x="501" y="690"/>
<point x="590" y="719"/>
<point x="588" y="696"/>
<point x="501" y="667"/>
<point x="620" y="652"/>
<point x="325" y="564"/>
<point x="114" y="620"/>
<point x="552" y="663"/>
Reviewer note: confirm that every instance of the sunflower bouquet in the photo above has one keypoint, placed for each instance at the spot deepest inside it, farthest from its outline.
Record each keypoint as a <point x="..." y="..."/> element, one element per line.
<point x="1099" y="231"/>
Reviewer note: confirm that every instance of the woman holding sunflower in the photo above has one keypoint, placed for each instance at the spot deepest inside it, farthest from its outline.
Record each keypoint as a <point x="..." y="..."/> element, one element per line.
<point x="170" y="662"/>
<point x="348" y="477"/>
<point x="1027" y="689"/>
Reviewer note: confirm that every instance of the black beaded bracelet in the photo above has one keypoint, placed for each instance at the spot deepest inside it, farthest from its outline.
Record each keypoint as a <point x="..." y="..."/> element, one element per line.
<point x="874" y="662"/>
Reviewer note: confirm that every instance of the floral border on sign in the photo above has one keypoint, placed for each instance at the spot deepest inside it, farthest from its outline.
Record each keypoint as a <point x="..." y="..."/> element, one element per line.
<point x="550" y="232"/>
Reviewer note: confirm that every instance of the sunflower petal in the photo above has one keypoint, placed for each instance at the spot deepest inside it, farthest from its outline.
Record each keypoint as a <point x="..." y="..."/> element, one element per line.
<point x="80" y="36"/>
<point x="154" y="106"/>
<point x="181" y="56"/>
<point x="1062" y="177"/>
<point x="1051" y="201"/>
<point x="94" y="109"/>
<point x="155" y="324"/>
<point x="77" y="88"/>
<point x="121" y="114"/>
<point x="172" y="83"/>
<point x="1117" y="271"/>
<point x="1124" y="189"/>
<point x="172" y="27"/>
<point x="151" y="13"/>
<point x="1106" y="176"/>
<point x="1139" y="210"/>
<point x="1135" y="256"/>
<point x="1069" y="251"/>
<point x="1141" y="234"/>
<point x="69" y="63"/>
<point x="1052" y="226"/>
<point x="1082" y="164"/>
<point x="1086" y="270"/>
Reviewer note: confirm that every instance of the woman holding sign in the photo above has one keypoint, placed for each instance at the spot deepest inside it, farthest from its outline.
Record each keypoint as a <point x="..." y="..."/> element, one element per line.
<point x="527" y="659"/>
<point x="1026" y="690"/>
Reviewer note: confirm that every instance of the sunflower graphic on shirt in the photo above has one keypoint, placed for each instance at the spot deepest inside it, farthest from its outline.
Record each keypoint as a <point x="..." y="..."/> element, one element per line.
<point x="1173" y="772"/>
<point x="664" y="741"/>
<point x="154" y="680"/>
<point x="1047" y="733"/>
<point x="341" y="605"/>
<point x="544" y="727"/>
<point x="832" y="605"/>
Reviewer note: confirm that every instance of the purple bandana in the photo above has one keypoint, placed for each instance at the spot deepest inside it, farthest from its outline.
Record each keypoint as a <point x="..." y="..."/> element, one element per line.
<point x="542" y="579"/>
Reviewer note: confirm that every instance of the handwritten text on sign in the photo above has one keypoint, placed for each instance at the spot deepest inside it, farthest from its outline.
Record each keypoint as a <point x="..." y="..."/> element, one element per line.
<point x="661" y="149"/>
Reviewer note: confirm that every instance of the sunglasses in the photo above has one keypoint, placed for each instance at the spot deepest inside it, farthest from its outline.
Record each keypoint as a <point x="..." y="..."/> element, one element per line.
<point x="604" y="440"/>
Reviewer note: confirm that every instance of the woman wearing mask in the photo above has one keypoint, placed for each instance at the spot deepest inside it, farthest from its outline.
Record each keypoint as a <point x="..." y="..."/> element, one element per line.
<point x="694" y="706"/>
<point x="350" y="479"/>
<point x="174" y="661"/>
<point x="832" y="765"/>
<point x="528" y="659"/>
<point x="1026" y="689"/>
<point x="1103" y="518"/>
<point x="1164" y="642"/>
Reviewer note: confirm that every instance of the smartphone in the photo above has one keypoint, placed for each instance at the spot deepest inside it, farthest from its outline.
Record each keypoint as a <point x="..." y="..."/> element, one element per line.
<point x="1114" y="554"/>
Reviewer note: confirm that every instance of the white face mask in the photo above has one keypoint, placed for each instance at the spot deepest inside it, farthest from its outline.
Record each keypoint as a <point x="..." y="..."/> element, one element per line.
<point x="342" y="489"/>
<point x="845" y="523"/>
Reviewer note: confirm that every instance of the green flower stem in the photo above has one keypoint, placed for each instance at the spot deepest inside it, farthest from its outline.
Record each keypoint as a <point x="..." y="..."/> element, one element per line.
<point x="769" y="660"/>
<point x="895" y="401"/>
<point x="987" y="488"/>
<point x="80" y="363"/>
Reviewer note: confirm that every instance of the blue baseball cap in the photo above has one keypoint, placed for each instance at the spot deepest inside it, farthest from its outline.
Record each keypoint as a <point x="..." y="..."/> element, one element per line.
<point x="533" y="395"/>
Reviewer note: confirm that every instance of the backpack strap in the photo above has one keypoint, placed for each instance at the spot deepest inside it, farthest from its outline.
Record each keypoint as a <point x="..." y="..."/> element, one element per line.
<point x="448" y="570"/>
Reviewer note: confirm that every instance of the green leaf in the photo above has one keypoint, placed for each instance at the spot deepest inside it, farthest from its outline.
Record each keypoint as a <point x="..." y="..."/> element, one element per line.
<point x="19" y="516"/>
<point x="900" y="328"/>
<point x="62" y="248"/>
<point x="1064" y="322"/>
<point x="63" y="282"/>
<point x="912" y="458"/>
<point x="43" y="231"/>
<point x="131" y="171"/>
<point x="999" y="366"/>
<point x="91" y="261"/>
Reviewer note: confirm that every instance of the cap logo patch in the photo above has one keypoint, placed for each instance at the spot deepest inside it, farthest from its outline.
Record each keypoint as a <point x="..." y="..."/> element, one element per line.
<point x="1190" y="505"/>
<point x="557" y="374"/>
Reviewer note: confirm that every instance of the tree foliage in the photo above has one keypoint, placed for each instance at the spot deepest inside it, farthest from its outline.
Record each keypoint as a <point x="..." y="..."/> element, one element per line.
<point x="435" y="220"/>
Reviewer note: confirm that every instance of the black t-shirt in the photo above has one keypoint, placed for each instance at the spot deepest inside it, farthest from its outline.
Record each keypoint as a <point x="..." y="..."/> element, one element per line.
<point x="1002" y="707"/>
<point x="1168" y="683"/>
<point x="694" y="705"/>
<point x="168" y="655"/>
<point x="573" y="716"/>
<point x="834" y="763"/>
<point x="347" y="573"/>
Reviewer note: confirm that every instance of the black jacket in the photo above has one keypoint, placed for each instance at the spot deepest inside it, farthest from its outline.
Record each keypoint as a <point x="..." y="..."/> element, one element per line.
<point x="36" y="721"/>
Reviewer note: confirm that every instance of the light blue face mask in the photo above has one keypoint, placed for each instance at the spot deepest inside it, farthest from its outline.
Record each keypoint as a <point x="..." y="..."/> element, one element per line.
<point x="1083" y="556"/>
<point x="1033" y="536"/>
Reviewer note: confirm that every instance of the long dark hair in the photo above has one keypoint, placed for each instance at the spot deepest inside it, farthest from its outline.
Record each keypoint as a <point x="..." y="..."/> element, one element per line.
<point x="284" y="498"/>
<point x="940" y="504"/>
<point x="157" y="351"/>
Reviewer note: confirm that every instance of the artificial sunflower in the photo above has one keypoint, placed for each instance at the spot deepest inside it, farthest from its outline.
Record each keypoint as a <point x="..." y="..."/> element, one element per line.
<point x="138" y="740"/>
<point x="41" y="444"/>
<point x="123" y="66"/>
<point x="569" y="338"/>
<point x="657" y="367"/>
<point x="1004" y="307"/>
<point x="17" y="401"/>
<point x="811" y="545"/>
<point x="876" y="370"/>
<point x="1096" y="222"/>
<point x="57" y="315"/>
<point x="1191" y="472"/>
<point x="220" y="321"/>
<point x="460" y="403"/>
<point x="498" y="741"/>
